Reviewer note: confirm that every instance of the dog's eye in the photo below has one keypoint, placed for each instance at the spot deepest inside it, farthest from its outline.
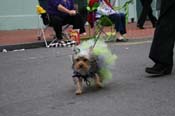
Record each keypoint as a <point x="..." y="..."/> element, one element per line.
<point x="77" y="59"/>
<point x="84" y="60"/>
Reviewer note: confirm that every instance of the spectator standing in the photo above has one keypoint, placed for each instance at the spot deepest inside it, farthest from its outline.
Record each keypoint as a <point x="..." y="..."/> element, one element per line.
<point x="146" y="11"/>
<point x="161" y="52"/>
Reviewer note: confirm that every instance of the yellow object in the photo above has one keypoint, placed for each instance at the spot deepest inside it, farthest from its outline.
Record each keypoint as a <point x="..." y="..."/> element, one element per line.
<point x="40" y="10"/>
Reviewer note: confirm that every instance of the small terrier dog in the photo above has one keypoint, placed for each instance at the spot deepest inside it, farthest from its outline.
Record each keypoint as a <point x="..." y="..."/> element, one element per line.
<point x="85" y="66"/>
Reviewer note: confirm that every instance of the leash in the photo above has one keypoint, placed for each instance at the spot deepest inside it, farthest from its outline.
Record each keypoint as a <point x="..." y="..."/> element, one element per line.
<point x="96" y="39"/>
<point x="88" y="83"/>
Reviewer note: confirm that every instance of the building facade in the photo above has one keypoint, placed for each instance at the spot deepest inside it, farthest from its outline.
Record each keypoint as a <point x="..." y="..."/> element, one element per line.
<point x="18" y="14"/>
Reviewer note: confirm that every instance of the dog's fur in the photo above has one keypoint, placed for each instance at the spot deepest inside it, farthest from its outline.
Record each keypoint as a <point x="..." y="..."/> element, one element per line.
<point x="85" y="64"/>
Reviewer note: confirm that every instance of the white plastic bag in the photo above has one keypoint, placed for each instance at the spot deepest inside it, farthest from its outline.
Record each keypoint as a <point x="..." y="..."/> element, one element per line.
<point x="104" y="9"/>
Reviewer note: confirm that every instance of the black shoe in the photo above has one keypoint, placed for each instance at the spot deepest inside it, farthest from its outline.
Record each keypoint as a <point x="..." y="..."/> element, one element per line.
<point x="140" y="27"/>
<point x="159" y="69"/>
<point x="122" y="40"/>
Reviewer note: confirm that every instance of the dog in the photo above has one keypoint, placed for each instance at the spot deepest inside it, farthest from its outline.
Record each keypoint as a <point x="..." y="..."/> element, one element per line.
<point x="92" y="60"/>
<point x="85" y="67"/>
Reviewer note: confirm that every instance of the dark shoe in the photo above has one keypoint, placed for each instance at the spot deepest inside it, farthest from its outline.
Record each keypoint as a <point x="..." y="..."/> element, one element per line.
<point x="140" y="27"/>
<point x="121" y="40"/>
<point x="159" y="69"/>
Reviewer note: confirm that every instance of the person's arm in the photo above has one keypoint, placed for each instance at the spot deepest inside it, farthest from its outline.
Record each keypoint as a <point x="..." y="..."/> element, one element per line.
<point x="65" y="10"/>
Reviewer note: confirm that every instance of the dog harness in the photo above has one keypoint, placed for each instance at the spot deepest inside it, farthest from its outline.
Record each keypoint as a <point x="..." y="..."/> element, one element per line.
<point x="84" y="77"/>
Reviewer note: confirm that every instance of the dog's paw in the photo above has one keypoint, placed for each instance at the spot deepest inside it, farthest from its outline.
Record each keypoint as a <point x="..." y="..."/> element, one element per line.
<point x="99" y="85"/>
<point x="78" y="92"/>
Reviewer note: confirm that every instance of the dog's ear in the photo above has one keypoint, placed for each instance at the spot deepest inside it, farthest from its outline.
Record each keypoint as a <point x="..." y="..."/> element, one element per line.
<point x="76" y="50"/>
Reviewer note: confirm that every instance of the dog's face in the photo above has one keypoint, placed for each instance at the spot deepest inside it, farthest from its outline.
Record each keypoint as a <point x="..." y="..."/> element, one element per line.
<point x="81" y="65"/>
<point x="81" y="62"/>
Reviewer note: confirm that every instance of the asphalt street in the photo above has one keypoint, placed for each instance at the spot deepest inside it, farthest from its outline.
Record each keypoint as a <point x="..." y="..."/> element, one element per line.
<point x="38" y="82"/>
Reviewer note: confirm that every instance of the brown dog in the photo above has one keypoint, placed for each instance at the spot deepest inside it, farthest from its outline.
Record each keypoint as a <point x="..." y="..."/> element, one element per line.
<point x="85" y="67"/>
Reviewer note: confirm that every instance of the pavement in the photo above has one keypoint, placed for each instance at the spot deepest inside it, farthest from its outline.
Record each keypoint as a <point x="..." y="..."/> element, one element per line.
<point x="27" y="38"/>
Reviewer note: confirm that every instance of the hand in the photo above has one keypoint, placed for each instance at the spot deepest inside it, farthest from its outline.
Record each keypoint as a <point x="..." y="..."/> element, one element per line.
<point x="72" y="12"/>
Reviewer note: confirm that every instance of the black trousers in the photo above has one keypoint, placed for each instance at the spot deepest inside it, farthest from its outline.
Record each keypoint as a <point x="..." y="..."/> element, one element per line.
<point x="164" y="38"/>
<point x="146" y="11"/>
<point x="57" y="22"/>
<point x="83" y="12"/>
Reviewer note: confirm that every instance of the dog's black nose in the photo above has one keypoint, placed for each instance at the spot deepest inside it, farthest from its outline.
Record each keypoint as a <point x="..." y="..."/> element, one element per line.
<point x="81" y="65"/>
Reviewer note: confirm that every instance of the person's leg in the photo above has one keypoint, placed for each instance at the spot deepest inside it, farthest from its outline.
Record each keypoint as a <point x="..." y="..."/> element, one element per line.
<point x="119" y="21"/>
<point x="151" y="16"/>
<point x="144" y="13"/>
<point x="161" y="51"/>
<point x="77" y="22"/>
<point x="115" y="18"/>
<point x="83" y="13"/>
<point x="164" y="37"/>
<point x="56" y="23"/>
<point x="162" y="47"/>
<point x="123" y="23"/>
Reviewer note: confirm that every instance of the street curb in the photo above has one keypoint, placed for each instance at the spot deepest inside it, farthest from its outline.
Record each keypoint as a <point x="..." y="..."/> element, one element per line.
<point x="42" y="44"/>
<point x="26" y="45"/>
<point x="22" y="46"/>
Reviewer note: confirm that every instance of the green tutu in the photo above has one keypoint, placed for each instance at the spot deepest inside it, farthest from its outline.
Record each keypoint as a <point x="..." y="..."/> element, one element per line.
<point x="105" y="57"/>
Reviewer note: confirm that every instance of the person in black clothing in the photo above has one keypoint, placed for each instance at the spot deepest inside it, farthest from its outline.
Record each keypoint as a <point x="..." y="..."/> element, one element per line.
<point x="82" y="4"/>
<point x="161" y="51"/>
<point x="62" y="12"/>
<point x="146" y="11"/>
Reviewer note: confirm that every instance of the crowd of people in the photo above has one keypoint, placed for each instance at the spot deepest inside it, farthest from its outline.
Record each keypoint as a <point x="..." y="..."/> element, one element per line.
<point x="63" y="12"/>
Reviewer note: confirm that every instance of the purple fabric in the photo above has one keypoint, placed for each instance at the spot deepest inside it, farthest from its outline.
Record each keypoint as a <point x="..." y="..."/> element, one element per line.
<point x="53" y="4"/>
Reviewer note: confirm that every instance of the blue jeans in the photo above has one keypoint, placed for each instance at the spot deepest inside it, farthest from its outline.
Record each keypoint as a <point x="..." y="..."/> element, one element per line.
<point x="120" y="22"/>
